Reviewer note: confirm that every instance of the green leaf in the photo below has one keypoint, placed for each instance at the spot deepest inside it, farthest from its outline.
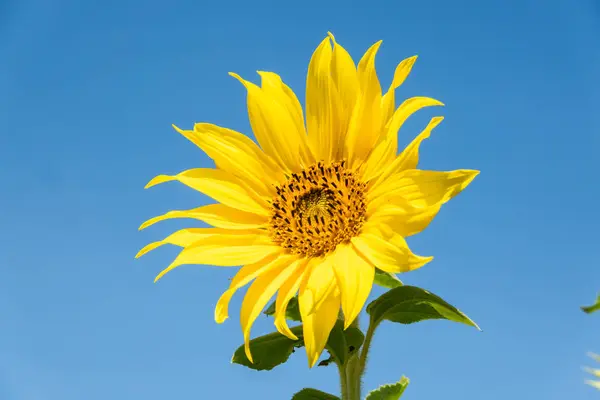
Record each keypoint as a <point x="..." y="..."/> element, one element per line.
<point x="336" y="344"/>
<point x="342" y="343"/>
<point x="389" y="392"/>
<point x="387" y="279"/>
<point x="326" y="362"/>
<point x="410" y="304"/>
<point x="292" y="311"/>
<point x="593" y="308"/>
<point x="269" y="351"/>
<point x="313" y="394"/>
<point x="354" y="339"/>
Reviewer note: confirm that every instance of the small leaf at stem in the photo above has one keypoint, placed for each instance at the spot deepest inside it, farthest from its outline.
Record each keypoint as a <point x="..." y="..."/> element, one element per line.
<point x="386" y="279"/>
<point x="593" y="308"/>
<point x="389" y="392"/>
<point x="313" y="394"/>
<point x="326" y="362"/>
<point x="269" y="351"/>
<point x="354" y="339"/>
<point x="342" y="343"/>
<point x="410" y="304"/>
<point x="292" y="311"/>
<point x="336" y="344"/>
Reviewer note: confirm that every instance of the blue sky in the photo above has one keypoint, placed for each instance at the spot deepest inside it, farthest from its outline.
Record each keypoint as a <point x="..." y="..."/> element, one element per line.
<point x="88" y="91"/>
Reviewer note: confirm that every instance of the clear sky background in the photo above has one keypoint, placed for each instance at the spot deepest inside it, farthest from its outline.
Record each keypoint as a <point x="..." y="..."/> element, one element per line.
<point x="88" y="91"/>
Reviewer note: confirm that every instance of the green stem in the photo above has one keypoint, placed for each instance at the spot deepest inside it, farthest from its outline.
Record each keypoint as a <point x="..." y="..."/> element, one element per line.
<point x="343" y="380"/>
<point x="353" y="378"/>
<point x="352" y="371"/>
<point x="365" y="348"/>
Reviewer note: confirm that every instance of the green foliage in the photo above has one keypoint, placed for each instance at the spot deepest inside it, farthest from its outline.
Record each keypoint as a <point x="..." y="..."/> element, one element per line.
<point x="354" y="338"/>
<point x="292" y="311"/>
<point x="389" y="392"/>
<point x="387" y="279"/>
<point x="341" y="344"/>
<point x="313" y="394"/>
<point x="410" y="304"/>
<point x="274" y="349"/>
<point x="593" y="308"/>
<point x="269" y="351"/>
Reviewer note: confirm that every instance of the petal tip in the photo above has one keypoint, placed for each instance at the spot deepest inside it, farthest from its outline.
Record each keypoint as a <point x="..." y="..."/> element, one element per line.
<point x="470" y="174"/>
<point x="147" y="248"/>
<point x="157" y="180"/>
<point x="239" y="78"/>
<point x="284" y="329"/>
<point x="164" y="272"/>
<point x="247" y="350"/>
<point x="347" y="323"/>
<point x="312" y="361"/>
<point x="147" y="223"/>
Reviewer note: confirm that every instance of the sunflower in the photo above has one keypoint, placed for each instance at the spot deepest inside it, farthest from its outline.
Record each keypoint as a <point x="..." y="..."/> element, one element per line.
<point x="317" y="205"/>
<point x="594" y="372"/>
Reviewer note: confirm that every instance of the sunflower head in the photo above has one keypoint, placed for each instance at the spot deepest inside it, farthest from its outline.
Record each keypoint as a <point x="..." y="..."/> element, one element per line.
<point x="318" y="209"/>
<point x="322" y="199"/>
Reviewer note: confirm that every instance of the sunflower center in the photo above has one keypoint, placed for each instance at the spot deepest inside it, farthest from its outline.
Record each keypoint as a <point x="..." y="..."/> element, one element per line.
<point x="318" y="209"/>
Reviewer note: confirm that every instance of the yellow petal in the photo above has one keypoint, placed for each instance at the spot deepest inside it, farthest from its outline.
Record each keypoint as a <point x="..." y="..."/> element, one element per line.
<point x="595" y="384"/>
<point x="225" y="250"/>
<point x="221" y="186"/>
<point x="377" y="161"/>
<point x="595" y="372"/>
<point x="273" y="126"/>
<point x="246" y="274"/>
<point x="317" y="324"/>
<point x="185" y="238"/>
<point x="420" y="188"/>
<point x="322" y="103"/>
<point x="354" y="278"/>
<point x="405" y="221"/>
<point x="259" y="293"/>
<point x="217" y="215"/>
<point x="277" y="91"/>
<point x="408" y="159"/>
<point x="237" y="154"/>
<point x="345" y="79"/>
<point x="285" y="294"/>
<point x="365" y="125"/>
<point x="319" y="281"/>
<point x="391" y="254"/>
<point x="406" y="109"/>
<point x="387" y="102"/>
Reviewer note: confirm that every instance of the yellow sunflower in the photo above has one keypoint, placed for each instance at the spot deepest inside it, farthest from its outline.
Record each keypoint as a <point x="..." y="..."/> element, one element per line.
<point x="313" y="208"/>
<point x="594" y="372"/>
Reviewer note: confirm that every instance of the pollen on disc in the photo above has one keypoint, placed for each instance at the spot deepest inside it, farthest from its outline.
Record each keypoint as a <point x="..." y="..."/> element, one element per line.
<point x="317" y="209"/>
